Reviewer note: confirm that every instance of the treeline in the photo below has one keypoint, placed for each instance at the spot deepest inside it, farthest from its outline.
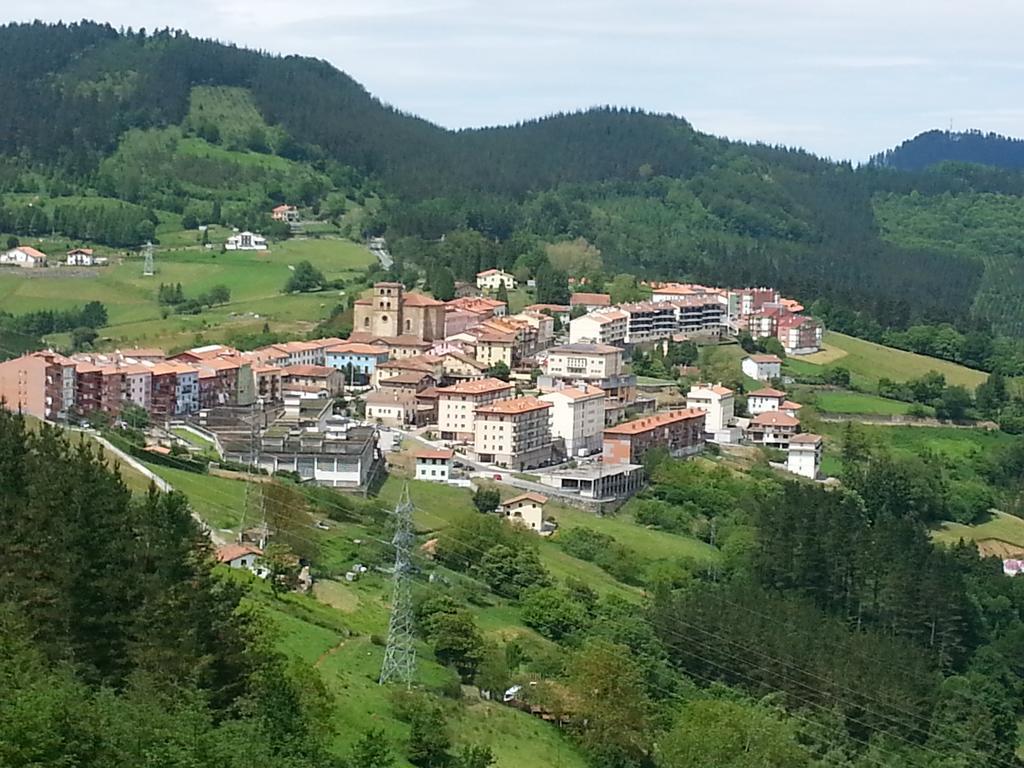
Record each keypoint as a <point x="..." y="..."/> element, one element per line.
<point x="120" y="642"/>
<point x="41" y="322"/>
<point x="934" y="147"/>
<point x="92" y="220"/>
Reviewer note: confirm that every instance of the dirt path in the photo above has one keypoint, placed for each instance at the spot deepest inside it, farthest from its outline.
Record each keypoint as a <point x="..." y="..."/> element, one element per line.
<point x="328" y="653"/>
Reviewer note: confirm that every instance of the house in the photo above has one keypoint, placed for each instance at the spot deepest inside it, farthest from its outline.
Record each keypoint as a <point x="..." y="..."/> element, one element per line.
<point x="527" y="510"/>
<point x="83" y="257"/>
<point x="246" y="241"/>
<point x="268" y="382"/>
<point x="764" y="400"/>
<point x="804" y="455"/>
<point x="590" y="301"/>
<point x="458" y="366"/>
<point x="607" y="326"/>
<point x="421" y="364"/>
<point x="323" y="378"/>
<point x="491" y="279"/>
<point x="681" y="433"/>
<point x="288" y="213"/>
<point x="493" y="347"/>
<point x="457" y="405"/>
<point x="513" y="433"/>
<point x="762" y="367"/>
<point x="391" y="312"/>
<point x="239" y="556"/>
<point x="24" y="256"/>
<point x="543" y="326"/>
<point x="356" y="360"/>
<point x="434" y="465"/>
<point x="412" y="382"/>
<point x="391" y="407"/>
<point x="790" y="408"/>
<point x="772" y="429"/>
<point x="577" y="417"/>
<point x="716" y="401"/>
<point x="561" y="311"/>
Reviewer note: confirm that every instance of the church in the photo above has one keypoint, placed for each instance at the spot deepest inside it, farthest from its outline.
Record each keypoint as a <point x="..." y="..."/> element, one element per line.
<point x="393" y="312"/>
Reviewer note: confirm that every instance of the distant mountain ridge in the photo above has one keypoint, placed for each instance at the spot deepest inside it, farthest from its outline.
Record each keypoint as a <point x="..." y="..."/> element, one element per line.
<point x="934" y="147"/>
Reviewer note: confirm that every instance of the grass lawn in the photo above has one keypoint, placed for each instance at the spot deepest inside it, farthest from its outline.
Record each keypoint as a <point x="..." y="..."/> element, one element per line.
<point x="1000" y="526"/>
<point x="858" y="402"/>
<point x="868" y="362"/>
<point x="218" y="500"/>
<point x="255" y="281"/>
<point x="195" y="440"/>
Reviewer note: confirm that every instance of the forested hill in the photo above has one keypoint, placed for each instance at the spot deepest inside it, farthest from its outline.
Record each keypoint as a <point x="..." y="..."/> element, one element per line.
<point x="934" y="147"/>
<point x="136" y="126"/>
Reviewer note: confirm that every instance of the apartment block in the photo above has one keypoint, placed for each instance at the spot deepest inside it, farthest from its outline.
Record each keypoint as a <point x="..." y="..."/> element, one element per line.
<point x="457" y="405"/>
<point x="577" y="417"/>
<point x="681" y="433"/>
<point x="514" y="433"/>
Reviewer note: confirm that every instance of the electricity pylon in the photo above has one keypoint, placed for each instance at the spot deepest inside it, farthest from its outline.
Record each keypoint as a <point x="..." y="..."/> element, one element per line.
<point x="400" y="655"/>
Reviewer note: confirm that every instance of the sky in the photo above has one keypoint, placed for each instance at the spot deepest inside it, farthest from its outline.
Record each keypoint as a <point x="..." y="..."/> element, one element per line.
<point x="844" y="79"/>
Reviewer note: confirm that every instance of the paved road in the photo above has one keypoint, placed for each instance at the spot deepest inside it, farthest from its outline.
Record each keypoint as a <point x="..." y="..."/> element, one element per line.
<point x="385" y="258"/>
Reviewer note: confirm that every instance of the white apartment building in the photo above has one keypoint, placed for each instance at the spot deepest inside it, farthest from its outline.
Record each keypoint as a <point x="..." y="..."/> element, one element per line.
<point x="804" y="455"/>
<point x="649" y="321"/>
<point x="491" y="280"/>
<point x="762" y="367"/>
<point x="457" y="405"/>
<point x="138" y="385"/>
<point x="577" y="417"/>
<point x="434" y="466"/>
<point x="514" y="433"/>
<point x="246" y="241"/>
<point x="584" y="361"/>
<point x="601" y="327"/>
<point x="716" y="401"/>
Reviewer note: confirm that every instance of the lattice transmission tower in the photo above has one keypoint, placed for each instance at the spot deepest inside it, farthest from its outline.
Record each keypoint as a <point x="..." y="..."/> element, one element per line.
<point x="148" y="267"/>
<point x="400" y="655"/>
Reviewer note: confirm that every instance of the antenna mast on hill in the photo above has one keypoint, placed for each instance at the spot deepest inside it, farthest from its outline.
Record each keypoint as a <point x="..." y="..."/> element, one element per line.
<point x="148" y="268"/>
<point x="400" y="655"/>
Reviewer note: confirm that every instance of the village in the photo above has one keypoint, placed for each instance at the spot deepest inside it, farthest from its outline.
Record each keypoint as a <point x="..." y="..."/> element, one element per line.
<point x="543" y="399"/>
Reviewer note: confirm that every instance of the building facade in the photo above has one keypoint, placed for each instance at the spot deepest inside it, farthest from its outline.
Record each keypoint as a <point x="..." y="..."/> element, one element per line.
<point x="577" y="417"/>
<point x="514" y="433"/>
<point x="681" y="433"/>
<point x="392" y="312"/>
<point x="457" y="406"/>
<point x="717" y="402"/>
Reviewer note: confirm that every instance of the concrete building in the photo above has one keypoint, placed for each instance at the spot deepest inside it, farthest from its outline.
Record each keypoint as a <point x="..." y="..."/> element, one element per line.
<point x="514" y="433"/>
<point x="681" y="433"/>
<point x="323" y="378"/>
<point x="762" y="367"/>
<point x="346" y="458"/>
<point x="804" y="455"/>
<point x="527" y="510"/>
<point x="649" y="321"/>
<point x="717" y="402"/>
<point x="764" y="400"/>
<point x="542" y="324"/>
<point x="457" y="405"/>
<point x="603" y="327"/>
<point x="577" y="417"/>
<point x="391" y="407"/>
<point x="493" y="347"/>
<point x="434" y="465"/>
<point x="391" y="312"/>
<point x="491" y="279"/>
<point x="43" y="384"/>
<point x="597" y="481"/>
<point x="268" y="382"/>
<point x="800" y="335"/>
<point x="598" y="365"/>
<point x="772" y="429"/>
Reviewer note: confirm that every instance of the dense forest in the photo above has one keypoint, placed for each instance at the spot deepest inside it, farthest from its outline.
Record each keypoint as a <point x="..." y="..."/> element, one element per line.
<point x="934" y="147"/>
<point x="133" y="115"/>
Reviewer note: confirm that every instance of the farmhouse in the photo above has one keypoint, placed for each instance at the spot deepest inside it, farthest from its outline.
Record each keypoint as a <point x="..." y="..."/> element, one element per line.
<point x="239" y="556"/>
<point x="83" y="257"/>
<point x="491" y="279"/>
<point x="764" y="400"/>
<point x="762" y="367"/>
<point x="526" y="510"/>
<point x="288" y="213"/>
<point x="24" y="256"/>
<point x="246" y="241"/>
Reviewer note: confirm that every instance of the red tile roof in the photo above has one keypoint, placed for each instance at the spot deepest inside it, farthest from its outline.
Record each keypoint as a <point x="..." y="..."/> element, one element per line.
<point x="528" y="496"/>
<point x="440" y="453"/>
<point x="590" y="300"/>
<point x="514" y="405"/>
<point x="230" y="552"/>
<point x="648" y="423"/>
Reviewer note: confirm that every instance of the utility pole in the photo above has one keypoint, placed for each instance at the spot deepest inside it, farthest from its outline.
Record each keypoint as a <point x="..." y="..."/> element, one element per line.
<point x="400" y="655"/>
<point x="250" y="482"/>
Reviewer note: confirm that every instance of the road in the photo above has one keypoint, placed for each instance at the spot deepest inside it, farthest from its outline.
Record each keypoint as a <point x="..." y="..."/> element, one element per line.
<point x="385" y="258"/>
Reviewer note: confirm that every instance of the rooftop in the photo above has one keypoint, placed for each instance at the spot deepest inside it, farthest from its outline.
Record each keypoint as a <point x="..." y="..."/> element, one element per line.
<point x="576" y="393"/>
<point x="767" y="392"/>
<point x="763" y="359"/>
<point x="580" y="299"/>
<point x="718" y="389"/>
<point x="648" y="423"/>
<point x="475" y="387"/>
<point x="605" y="317"/>
<point x="307" y="370"/>
<point x="585" y="349"/>
<point x="230" y="552"/>
<point x="805" y="439"/>
<point x="514" y="405"/>
<point x="528" y="496"/>
<point x="420" y="300"/>
<point x="357" y="348"/>
<point x="774" y="419"/>
<point x="440" y="453"/>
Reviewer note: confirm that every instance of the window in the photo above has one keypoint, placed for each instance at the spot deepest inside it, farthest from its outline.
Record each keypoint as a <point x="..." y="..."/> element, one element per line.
<point x="366" y="322"/>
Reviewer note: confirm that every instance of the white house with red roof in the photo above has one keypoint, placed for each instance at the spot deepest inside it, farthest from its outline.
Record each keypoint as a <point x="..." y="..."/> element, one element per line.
<point x="239" y="556"/>
<point x="716" y="401"/>
<point x="762" y="367"/>
<point x="24" y="256"/>
<point x="288" y="213"/>
<point x="804" y="455"/>
<point x="764" y="400"/>
<point x="434" y="465"/>
<point x="491" y="279"/>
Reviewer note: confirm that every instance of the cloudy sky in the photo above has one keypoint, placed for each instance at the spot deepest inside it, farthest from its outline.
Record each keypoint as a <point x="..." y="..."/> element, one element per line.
<point x="844" y="78"/>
